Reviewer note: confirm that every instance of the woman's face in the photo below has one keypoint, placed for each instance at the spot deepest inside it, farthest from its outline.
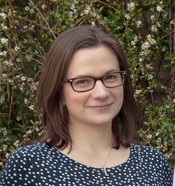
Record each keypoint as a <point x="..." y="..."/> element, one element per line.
<point x="99" y="105"/>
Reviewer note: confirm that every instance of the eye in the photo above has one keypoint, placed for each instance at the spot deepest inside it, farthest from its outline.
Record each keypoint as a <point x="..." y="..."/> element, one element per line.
<point x="82" y="81"/>
<point x="112" y="77"/>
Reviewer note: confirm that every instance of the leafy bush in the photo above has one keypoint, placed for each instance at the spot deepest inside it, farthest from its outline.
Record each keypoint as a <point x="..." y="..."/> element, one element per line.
<point x="144" y="28"/>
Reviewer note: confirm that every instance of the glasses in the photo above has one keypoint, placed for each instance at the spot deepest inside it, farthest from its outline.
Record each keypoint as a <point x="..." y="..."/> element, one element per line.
<point x="87" y="83"/>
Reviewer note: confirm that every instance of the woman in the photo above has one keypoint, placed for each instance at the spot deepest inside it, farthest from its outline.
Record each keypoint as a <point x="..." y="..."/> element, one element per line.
<point x="87" y="100"/>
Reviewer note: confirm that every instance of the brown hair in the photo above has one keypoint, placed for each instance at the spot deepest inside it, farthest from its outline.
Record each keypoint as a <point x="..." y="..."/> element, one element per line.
<point x="55" y="115"/>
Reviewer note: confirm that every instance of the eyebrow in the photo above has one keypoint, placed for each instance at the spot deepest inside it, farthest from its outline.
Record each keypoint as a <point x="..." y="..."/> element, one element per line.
<point x="106" y="73"/>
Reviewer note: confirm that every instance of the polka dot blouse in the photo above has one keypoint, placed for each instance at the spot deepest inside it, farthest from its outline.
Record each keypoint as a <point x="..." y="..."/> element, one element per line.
<point x="39" y="164"/>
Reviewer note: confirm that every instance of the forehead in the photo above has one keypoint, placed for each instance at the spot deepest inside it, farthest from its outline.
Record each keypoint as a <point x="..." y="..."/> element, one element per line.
<point x="92" y="61"/>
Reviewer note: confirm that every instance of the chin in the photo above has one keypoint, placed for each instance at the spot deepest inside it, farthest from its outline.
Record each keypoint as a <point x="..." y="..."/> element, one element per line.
<point x="103" y="121"/>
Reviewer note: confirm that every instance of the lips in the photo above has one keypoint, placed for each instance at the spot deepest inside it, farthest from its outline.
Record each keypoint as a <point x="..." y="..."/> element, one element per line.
<point x="101" y="107"/>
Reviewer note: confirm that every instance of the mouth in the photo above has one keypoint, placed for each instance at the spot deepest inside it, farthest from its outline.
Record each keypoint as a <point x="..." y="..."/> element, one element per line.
<point x="101" y="107"/>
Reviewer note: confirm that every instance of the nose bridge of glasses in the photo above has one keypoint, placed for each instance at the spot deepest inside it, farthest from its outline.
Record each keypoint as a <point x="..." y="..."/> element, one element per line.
<point x="101" y="80"/>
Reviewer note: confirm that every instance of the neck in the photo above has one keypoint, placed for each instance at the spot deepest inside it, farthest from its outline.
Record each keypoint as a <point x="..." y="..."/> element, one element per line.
<point x="91" y="145"/>
<point x="96" y="139"/>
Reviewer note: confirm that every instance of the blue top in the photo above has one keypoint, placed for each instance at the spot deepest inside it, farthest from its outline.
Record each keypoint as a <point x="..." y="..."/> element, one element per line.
<point x="41" y="165"/>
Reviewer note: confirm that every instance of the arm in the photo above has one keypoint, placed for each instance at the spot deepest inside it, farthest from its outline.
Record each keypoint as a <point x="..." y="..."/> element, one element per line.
<point x="19" y="170"/>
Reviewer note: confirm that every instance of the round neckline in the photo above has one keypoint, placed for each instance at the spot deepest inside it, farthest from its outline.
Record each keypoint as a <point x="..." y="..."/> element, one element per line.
<point x="91" y="167"/>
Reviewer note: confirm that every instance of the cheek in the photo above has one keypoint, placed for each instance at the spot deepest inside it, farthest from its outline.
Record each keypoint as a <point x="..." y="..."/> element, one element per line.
<point x="118" y="94"/>
<point x="73" y="99"/>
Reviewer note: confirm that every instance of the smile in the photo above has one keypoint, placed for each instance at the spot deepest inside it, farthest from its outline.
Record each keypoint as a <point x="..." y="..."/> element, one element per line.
<point x="102" y="107"/>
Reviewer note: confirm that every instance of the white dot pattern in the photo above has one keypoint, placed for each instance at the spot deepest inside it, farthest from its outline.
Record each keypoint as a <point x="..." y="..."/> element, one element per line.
<point x="41" y="165"/>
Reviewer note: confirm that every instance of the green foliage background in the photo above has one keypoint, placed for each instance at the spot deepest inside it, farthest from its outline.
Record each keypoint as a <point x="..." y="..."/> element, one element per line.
<point x="146" y="29"/>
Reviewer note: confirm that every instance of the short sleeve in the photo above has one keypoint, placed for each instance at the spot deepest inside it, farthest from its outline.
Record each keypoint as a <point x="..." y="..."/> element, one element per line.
<point x="153" y="163"/>
<point x="165" y="171"/>
<point x="19" y="171"/>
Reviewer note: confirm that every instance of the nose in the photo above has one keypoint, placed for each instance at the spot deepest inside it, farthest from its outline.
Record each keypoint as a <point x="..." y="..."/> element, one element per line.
<point x="99" y="90"/>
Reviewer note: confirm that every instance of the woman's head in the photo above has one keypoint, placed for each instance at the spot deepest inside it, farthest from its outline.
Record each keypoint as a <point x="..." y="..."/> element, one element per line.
<point x="52" y="81"/>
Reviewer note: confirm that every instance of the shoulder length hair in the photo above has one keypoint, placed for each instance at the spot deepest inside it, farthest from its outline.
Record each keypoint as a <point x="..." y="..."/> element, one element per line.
<point x="55" y="114"/>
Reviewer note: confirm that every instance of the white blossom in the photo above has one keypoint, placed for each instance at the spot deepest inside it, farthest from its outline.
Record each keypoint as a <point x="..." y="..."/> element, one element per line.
<point x="26" y="101"/>
<point x="138" y="91"/>
<point x="2" y="98"/>
<point x="4" y="40"/>
<point x="149" y="66"/>
<point x="131" y="6"/>
<point x="28" y="57"/>
<point x="87" y="10"/>
<point x="151" y="40"/>
<point x="141" y="59"/>
<point x="145" y="45"/>
<point x="133" y="43"/>
<point x="3" y="15"/>
<point x="150" y="136"/>
<point x="18" y="60"/>
<point x="150" y="76"/>
<point x="27" y="8"/>
<point x="16" y="143"/>
<point x="139" y="23"/>
<point x="43" y="6"/>
<point x="29" y="131"/>
<point x="4" y="147"/>
<point x="5" y="62"/>
<point x="31" y="107"/>
<point x="127" y="16"/>
<point x="37" y="129"/>
<point x="23" y="78"/>
<point x="70" y="13"/>
<point x="4" y="75"/>
<point x="18" y="118"/>
<point x="154" y="28"/>
<point x="159" y="8"/>
<point x="93" y="23"/>
<point x="33" y="86"/>
<point x="4" y="27"/>
<point x="152" y="17"/>
<point x="157" y="133"/>
<point x="7" y="155"/>
<point x="72" y="7"/>
<point x="32" y="11"/>
<point x="75" y="2"/>
<point x="21" y="87"/>
<point x="172" y="22"/>
<point x="163" y="49"/>
<point x="158" y="140"/>
<point x="16" y="48"/>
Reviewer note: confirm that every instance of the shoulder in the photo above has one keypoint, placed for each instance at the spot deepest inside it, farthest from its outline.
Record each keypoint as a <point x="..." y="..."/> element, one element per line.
<point x="30" y="151"/>
<point x="152" y="160"/>
<point x="144" y="149"/>
<point x="149" y="156"/>
<point x="24" y="164"/>
<point x="147" y="152"/>
<point x="26" y="157"/>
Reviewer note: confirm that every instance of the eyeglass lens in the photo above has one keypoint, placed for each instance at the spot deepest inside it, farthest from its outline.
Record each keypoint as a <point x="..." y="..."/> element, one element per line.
<point x="88" y="83"/>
